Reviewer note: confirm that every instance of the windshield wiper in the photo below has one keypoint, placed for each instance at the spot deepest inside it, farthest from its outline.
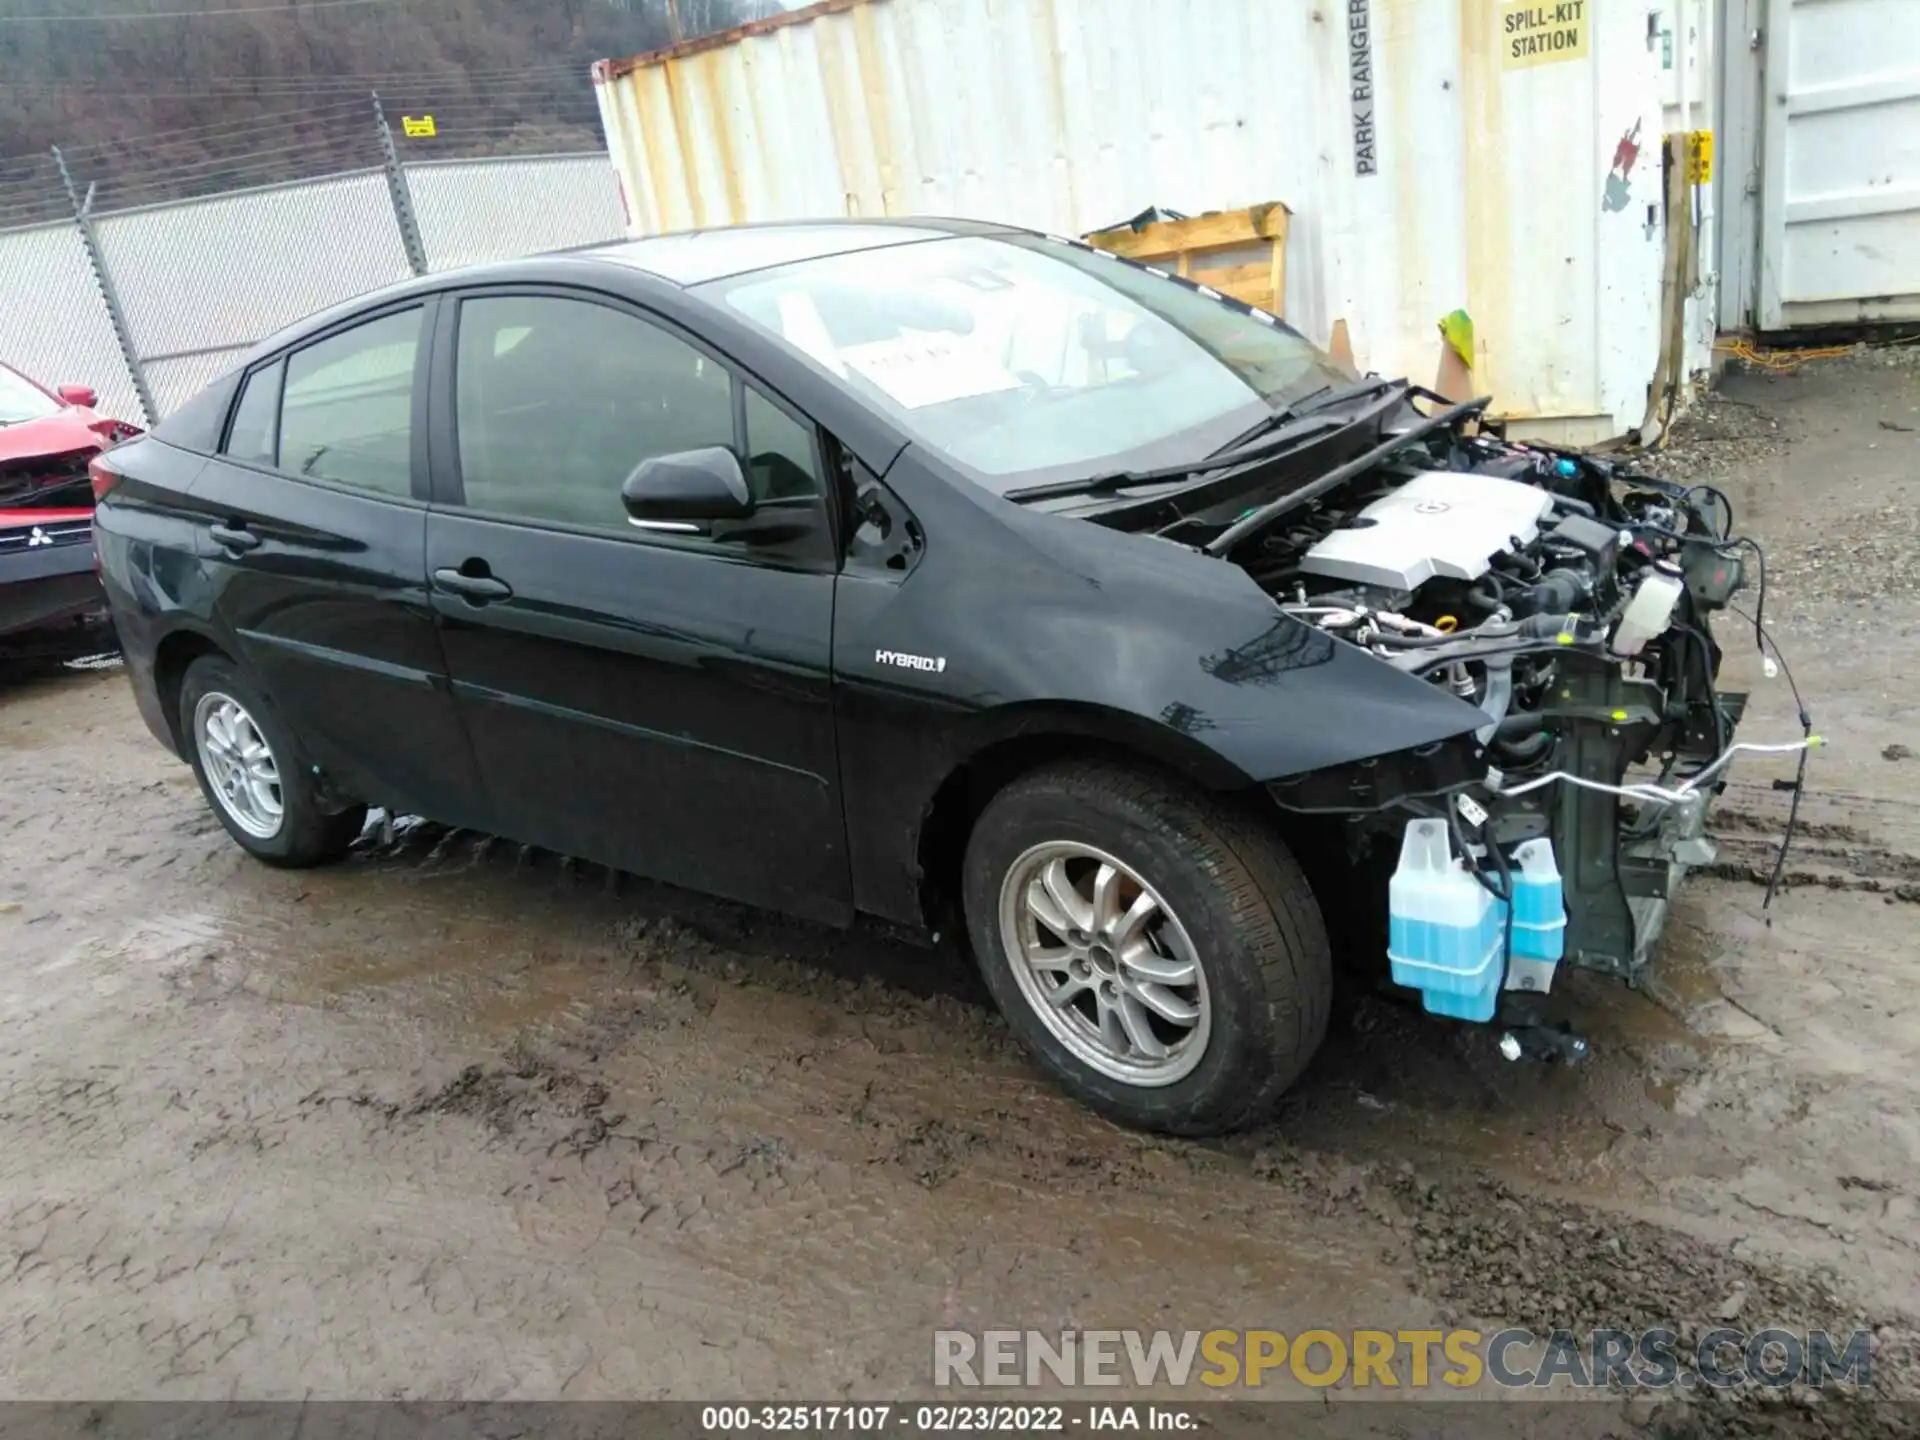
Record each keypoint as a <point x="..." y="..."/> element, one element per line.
<point x="1266" y="424"/>
<point x="1323" y="397"/>
<point x="1288" y="434"/>
<point x="1310" y="403"/>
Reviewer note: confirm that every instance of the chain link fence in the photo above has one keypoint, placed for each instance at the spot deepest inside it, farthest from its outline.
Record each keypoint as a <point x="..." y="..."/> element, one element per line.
<point x="54" y="325"/>
<point x="495" y="209"/>
<point x="148" y="302"/>
<point x="200" y="282"/>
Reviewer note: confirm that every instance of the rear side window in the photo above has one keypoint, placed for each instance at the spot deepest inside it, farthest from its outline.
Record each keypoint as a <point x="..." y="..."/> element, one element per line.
<point x="255" y="433"/>
<point x="346" y="414"/>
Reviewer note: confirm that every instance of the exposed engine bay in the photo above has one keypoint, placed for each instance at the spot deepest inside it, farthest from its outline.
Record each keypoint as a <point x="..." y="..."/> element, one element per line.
<point x="1568" y="599"/>
<point x="1491" y="583"/>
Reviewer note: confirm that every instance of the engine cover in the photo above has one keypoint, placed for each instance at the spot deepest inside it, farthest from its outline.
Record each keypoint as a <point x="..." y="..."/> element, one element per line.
<point x="1445" y="523"/>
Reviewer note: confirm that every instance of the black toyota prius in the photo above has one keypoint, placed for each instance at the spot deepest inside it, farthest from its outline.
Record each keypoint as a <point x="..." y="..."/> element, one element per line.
<point x="960" y="576"/>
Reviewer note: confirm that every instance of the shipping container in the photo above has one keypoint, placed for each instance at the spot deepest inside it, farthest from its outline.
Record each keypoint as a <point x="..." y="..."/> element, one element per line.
<point x="1820" y="172"/>
<point x="1685" y="51"/>
<point x="1502" y="157"/>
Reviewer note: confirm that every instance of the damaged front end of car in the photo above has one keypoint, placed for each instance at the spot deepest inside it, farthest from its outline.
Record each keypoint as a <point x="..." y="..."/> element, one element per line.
<point x="1570" y="601"/>
<point x="51" y="605"/>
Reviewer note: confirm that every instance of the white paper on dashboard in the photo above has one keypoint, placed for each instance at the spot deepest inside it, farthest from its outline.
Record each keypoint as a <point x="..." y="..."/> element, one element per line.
<point x="918" y="370"/>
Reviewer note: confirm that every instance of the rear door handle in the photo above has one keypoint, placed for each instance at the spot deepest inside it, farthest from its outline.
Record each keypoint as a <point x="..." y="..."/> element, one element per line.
<point x="234" y="537"/>
<point x="477" y="588"/>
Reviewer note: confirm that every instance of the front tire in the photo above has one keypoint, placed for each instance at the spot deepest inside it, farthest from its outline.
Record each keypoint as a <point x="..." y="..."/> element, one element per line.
<point x="1158" y="952"/>
<point x="249" y="769"/>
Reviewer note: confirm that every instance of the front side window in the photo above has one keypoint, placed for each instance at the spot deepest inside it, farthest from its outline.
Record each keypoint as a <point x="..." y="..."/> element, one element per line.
<point x="347" y="411"/>
<point x="558" y="400"/>
<point x="1027" y="360"/>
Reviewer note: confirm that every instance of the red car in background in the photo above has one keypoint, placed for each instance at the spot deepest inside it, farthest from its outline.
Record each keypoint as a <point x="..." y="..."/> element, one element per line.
<point x="51" y="605"/>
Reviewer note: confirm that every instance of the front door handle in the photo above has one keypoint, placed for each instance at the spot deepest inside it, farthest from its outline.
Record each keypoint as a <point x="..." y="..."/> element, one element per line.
<point x="477" y="588"/>
<point x="235" y="537"/>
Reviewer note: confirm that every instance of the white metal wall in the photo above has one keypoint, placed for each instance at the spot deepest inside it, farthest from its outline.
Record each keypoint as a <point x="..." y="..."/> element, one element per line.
<point x="1840" y="163"/>
<point x="1527" y="194"/>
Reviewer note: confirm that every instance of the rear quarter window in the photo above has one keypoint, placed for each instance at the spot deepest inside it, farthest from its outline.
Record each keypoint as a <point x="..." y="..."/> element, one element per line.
<point x="254" y="435"/>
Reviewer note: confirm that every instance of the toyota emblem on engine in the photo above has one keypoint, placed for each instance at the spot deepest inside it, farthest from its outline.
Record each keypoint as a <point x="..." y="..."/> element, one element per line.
<point x="1431" y="507"/>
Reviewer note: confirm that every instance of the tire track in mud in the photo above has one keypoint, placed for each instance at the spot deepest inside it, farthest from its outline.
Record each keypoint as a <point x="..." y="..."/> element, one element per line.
<point x="672" y="979"/>
<point x="910" y="1131"/>
<point x="751" y="1228"/>
<point x="563" y="1125"/>
<point x="81" y="1112"/>
<point x="765" y="1114"/>
<point x="1492" y="1254"/>
<point x="1828" y="854"/>
<point x="1486" y="1252"/>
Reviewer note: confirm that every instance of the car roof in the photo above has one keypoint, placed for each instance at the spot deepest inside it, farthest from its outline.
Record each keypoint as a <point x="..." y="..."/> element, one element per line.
<point x="675" y="262"/>
<point x="682" y="258"/>
<point x="692" y="257"/>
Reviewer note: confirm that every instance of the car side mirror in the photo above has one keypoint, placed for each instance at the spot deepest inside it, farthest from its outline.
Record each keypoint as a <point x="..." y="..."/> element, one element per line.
<point x="685" y="492"/>
<point x="84" y="396"/>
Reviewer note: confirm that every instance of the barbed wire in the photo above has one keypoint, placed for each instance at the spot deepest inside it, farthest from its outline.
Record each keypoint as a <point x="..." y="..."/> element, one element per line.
<point x="219" y="86"/>
<point x="460" y="117"/>
<point x="538" y="82"/>
<point x="289" y="128"/>
<point x="222" y="130"/>
<point x="290" y="145"/>
<point x="211" y="12"/>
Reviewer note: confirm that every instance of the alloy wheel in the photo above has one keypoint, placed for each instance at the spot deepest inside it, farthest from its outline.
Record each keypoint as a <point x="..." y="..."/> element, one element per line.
<point x="1105" y="963"/>
<point x="241" y="768"/>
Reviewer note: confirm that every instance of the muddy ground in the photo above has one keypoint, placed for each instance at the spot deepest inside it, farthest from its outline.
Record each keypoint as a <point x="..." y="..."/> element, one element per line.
<point x="455" y="1121"/>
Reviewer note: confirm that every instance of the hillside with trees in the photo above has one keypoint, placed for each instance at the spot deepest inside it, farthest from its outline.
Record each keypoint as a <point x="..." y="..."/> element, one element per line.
<point x="157" y="99"/>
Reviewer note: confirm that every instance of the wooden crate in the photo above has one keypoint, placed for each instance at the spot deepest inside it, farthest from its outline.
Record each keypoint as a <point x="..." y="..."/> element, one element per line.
<point x="1242" y="253"/>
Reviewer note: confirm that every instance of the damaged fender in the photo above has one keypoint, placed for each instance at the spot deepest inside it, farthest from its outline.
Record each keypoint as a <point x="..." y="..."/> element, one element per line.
<point x="1201" y="673"/>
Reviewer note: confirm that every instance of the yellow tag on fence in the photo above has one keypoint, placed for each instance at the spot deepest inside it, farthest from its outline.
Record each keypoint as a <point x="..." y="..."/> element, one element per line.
<point x="418" y="127"/>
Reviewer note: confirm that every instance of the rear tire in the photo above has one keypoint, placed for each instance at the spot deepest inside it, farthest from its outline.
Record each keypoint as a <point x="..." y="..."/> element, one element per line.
<point x="251" y="772"/>
<point x="1196" y="981"/>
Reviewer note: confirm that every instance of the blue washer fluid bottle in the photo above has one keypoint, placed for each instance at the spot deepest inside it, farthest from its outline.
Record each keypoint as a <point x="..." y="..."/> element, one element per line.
<point x="1539" y="917"/>
<point x="1446" y="932"/>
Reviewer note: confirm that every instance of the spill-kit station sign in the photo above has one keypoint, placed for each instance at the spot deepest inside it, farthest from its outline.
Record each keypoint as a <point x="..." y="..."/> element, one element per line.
<point x="1537" y="33"/>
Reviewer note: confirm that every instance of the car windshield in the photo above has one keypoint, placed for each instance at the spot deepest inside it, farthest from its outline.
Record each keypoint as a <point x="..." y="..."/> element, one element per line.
<point x="20" y="400"/>
<point x="1029" y="360"/>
